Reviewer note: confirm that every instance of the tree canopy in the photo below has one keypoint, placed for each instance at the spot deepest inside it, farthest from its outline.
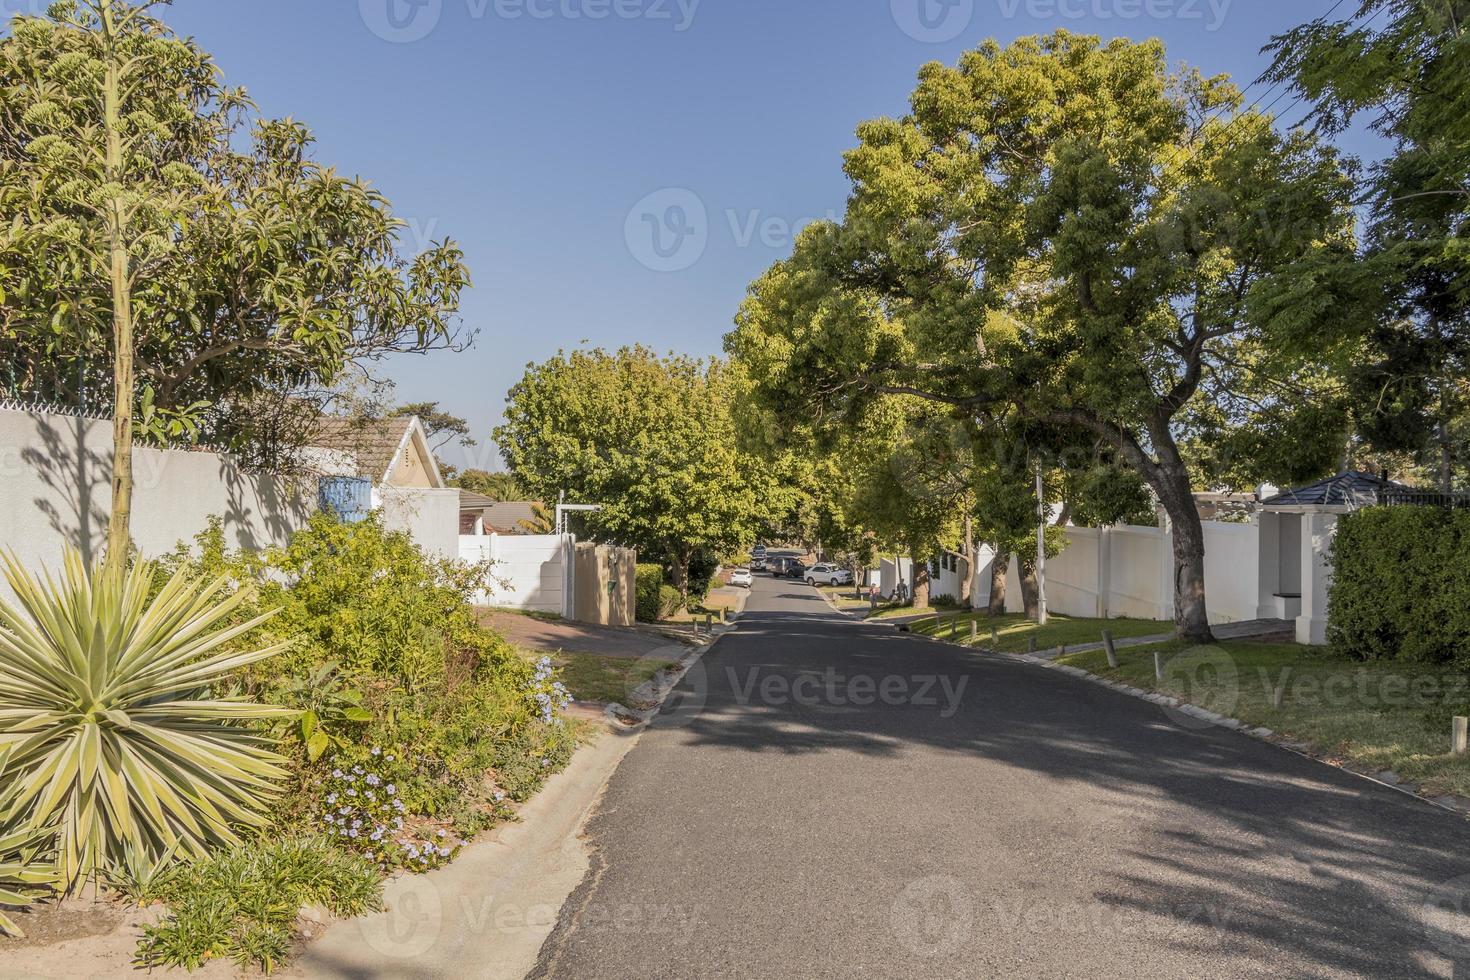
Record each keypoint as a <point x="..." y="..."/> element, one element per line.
<point x="649" y="438"/>
<point x="1066" y="233"/>
<point x="255" y="274"/>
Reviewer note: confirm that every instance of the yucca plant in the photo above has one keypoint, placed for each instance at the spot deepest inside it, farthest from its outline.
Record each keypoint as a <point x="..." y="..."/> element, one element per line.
<point x="27" y="872"/>
<point x="115" y="734"/>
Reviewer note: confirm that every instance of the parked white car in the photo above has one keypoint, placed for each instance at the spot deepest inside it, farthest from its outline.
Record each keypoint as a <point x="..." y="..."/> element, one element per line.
<point x="742" y="577"/>
<point x="828" y="574"/>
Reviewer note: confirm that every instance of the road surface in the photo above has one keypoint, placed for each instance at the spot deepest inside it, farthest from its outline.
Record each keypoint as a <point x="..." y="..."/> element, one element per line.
<point x="828" y="798"/>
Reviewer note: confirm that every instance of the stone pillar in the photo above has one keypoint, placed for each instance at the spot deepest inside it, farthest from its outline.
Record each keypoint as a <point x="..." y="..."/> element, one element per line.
<point x="1317" y="531"/>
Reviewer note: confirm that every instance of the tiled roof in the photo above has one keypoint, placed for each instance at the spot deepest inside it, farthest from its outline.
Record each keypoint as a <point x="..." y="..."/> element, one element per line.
<point x="1351" y="489"/>
<point x="372" y="442"/>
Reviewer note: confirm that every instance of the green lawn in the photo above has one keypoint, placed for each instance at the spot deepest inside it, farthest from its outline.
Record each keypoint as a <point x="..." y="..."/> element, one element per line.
<point x="842" y="597"/>
<point x="593" y="678"/>
<point x="1015" y="630"/>
<point x="1379" y="716"/>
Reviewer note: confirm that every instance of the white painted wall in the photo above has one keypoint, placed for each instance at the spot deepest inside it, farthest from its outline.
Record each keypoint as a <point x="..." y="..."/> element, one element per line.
<point x="430" y="516"/>
<point x="1128" y="570"/>
<point x="533" y="571"/>
<point x="55" y="478"/>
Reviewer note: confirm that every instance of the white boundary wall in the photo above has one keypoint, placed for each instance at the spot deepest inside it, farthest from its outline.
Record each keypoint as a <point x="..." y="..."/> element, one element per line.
<point x="55" y="489"/>
<point x="1128" y="570"/>
<point x="532" y="571"/>
<point x="430" y="516"/>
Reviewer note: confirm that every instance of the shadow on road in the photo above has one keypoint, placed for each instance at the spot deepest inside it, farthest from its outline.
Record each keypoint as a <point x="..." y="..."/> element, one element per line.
<point x="1279" y="851"/>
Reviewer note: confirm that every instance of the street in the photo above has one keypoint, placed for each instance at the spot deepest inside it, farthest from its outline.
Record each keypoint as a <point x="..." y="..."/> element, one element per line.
<point x="827" y="798"/>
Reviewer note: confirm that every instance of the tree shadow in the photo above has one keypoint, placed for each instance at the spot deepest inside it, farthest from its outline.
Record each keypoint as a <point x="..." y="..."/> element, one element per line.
<point x="1203" y="841"/>
<point x="78" y="478"/>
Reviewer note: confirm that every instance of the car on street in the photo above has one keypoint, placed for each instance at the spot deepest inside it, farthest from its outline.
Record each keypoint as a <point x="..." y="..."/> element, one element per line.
<point x="759" y="552"/>
<point x="757" y="564"/>
<point x="825" y="573"/>
<point x="742" y="577"/>
<point x="795" y="569"/>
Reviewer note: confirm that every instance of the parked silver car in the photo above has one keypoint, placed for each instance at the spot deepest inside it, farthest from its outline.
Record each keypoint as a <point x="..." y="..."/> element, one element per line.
<point x="826" y="573"/>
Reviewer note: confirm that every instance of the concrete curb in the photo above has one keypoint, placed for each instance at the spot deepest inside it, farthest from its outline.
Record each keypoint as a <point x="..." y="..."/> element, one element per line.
<point x="1387" y="779"/>
<point x="656" y="689"/>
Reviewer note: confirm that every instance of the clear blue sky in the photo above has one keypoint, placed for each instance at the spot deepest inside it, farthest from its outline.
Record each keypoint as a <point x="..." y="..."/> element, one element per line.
<point x="530" y="130"/>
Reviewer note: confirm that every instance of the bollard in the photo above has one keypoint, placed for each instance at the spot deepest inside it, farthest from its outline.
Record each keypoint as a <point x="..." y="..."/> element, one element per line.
<point x="974" y="631"/>
<point x="1459" y="734"/>
<point x="994" y="635"/>
<point x="709" y="623"/>
<point x="1158" y="666"/>
<point x="1030" y="644"/>
<point x="1278" y="694"/>
<point x="1061" y="651"/>
<point x="954" y="626"/>
<point x="694" y="622"/>
<point x="1112" y="651"/>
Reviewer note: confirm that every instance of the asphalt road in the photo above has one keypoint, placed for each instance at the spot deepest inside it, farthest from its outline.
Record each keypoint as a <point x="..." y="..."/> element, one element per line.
<point x="790" y="816"/>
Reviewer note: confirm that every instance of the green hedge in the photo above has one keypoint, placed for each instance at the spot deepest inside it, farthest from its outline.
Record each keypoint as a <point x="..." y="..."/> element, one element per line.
<point x="649" y="579"/>
<point x="1401" y="585"/>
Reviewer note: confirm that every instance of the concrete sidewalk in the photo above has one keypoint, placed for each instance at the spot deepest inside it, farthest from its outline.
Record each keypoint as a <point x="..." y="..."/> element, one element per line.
<point x="486" y="914"/>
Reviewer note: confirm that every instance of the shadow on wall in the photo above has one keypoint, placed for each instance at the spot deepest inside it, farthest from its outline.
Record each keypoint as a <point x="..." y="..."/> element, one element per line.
<point x="78" y="479"/>
<point x="62" y="465"/>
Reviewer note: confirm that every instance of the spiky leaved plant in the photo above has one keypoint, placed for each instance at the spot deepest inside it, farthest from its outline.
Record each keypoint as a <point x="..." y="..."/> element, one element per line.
<point x="115" y="734"/>
<point x="27" y="868"/>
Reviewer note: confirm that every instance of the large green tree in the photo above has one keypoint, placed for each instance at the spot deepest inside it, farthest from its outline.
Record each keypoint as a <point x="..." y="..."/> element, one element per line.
<point x="1404" y="65"/>
<point x="1066" y="233"/>
<point x="649" y="438"/>
<point x="166" y="251"/>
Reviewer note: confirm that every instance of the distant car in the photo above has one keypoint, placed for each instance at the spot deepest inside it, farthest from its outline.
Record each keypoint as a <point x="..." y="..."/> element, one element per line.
<point x="828" y="574"/>
<point x="757" y="564"/>
<point x="742" y="577"/>
<point x="795" y="569"/>
<point x="759" y="552"/>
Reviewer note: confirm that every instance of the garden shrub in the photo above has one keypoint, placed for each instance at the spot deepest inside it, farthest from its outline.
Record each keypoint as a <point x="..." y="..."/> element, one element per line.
<point x="669" y="601"/>
<point x="391" y="656"/>
<point x="702" y="569"/>
<point x="242" y="904"/>
<point x="649" y="579"/>
<point x="1401" y="585"/>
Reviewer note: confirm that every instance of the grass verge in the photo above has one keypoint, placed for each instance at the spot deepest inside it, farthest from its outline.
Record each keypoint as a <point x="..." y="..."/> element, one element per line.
<point x="1015" y="630"/>
<point x="605" y="679"/>
<point x="1372" y="715"/>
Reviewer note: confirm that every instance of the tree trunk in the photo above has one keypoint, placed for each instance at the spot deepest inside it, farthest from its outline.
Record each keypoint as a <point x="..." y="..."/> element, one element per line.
<point x="1171" y="483"/>
<point x="679" y="559"/>
<point x="966" y="583"/>
<point x="119" y="536"/>
<point x="998" y="568"/>
<point x="921" y="584"/>
<point x="1030" y="594"/>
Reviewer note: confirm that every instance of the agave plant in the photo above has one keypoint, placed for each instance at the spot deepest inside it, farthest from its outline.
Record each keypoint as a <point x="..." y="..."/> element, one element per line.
<point x="114" y="733"/>
<point x="27" y="872"/>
